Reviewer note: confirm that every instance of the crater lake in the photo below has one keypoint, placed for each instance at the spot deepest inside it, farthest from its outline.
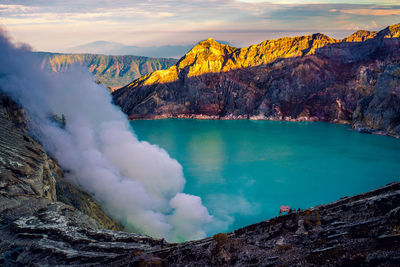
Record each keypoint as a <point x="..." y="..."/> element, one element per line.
<point x="245" y="170"/>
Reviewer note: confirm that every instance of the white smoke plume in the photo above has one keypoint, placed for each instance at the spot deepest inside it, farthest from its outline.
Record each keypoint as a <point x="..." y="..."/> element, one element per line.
<point x="138" y="183"/>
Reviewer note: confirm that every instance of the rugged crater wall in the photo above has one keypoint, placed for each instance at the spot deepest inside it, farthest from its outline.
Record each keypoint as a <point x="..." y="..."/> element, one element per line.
<point x="307" y="78"/>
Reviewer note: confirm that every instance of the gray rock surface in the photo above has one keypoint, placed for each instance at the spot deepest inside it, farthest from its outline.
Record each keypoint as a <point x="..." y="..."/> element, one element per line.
<point x="379" y="112"/>
<point x="59" y="235"/>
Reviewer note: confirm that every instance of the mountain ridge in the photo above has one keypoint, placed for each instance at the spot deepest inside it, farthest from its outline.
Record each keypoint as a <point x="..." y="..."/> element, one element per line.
<point x="313" y="78"/>
<point x="113" y="71"/>
<point x="118" y="49"/>
<point x="296" y="46"/>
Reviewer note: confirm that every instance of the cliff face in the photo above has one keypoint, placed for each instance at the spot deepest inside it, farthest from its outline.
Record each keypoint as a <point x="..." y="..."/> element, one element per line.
<point x="299" y="78"/>
<point x="379" y="111"/>
<point x="113" y="71"/>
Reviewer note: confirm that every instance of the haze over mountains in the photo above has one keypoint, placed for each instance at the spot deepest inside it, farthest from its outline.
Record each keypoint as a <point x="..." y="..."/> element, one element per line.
<point x="313" y="78"/>
<point x="114" y="48"/>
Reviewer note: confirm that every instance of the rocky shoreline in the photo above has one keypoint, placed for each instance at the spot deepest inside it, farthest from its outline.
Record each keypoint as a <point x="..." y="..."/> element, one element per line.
<point x="226" y="117"/>
<point x="358" y="127"/>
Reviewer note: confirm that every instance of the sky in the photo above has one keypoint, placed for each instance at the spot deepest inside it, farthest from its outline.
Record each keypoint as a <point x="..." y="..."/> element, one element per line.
<point x="55" y="25"/>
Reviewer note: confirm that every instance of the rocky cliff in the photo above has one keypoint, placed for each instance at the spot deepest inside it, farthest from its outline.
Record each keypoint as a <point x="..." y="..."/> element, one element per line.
<point x="113" y="71"/>
<point x="44" y="220"/>
<point x="307" y="78"/>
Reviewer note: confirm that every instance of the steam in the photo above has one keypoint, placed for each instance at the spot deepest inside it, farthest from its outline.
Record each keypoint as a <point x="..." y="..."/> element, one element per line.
<point x="138" y="183"/>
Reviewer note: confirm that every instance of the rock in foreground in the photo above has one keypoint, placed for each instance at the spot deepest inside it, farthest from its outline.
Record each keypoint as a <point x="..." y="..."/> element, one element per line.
<point x="363" y="230"/>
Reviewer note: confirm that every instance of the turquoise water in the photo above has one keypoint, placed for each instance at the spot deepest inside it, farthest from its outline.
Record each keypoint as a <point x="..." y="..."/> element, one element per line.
<point x="244" y="170"/>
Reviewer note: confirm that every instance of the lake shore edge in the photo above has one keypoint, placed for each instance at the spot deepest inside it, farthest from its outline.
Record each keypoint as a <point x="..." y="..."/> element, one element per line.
<point x="357" y="127"/>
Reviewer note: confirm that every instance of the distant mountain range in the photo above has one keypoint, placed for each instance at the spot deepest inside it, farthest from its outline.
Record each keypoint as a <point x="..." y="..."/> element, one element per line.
<point x="113" y="71"/>
<point x="306" y="78"/>
<point x="113" y="48"/>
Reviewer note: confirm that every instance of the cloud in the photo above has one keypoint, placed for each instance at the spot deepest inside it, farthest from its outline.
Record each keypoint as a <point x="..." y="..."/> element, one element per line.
<point x="189" y="216"/>
<point x="372" y="12"/>
<point x="183" y="22"/>
<point x="372" y="26"/>
<point x="226" y="208"/>
<point x="16" y="8"/>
